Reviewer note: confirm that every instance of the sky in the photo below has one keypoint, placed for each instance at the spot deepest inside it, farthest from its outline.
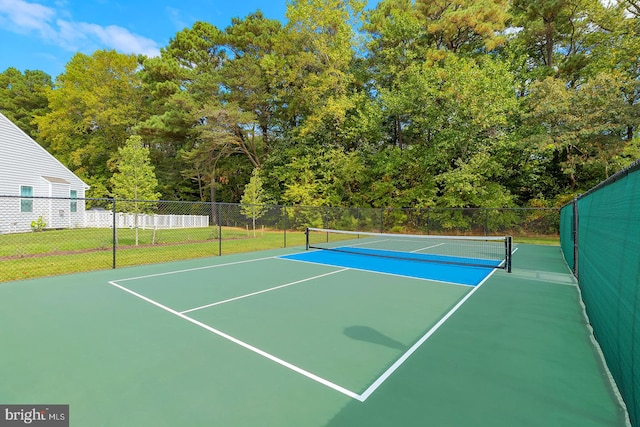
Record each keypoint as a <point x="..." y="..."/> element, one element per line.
<point x="45" y="34"/>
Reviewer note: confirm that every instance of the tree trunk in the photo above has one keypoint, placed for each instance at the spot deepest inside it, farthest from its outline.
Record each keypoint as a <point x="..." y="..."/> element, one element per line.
<point x="548" y="44"/>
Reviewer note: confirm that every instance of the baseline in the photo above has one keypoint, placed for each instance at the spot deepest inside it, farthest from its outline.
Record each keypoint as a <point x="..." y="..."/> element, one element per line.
<point x="167" y="273"/>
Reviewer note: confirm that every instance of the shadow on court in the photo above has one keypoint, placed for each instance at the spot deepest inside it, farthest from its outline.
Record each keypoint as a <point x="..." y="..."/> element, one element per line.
<point x="370" y="335"/>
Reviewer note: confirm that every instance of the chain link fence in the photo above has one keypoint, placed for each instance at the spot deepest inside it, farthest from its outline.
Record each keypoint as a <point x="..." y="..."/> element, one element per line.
<point x="41" y="236"/>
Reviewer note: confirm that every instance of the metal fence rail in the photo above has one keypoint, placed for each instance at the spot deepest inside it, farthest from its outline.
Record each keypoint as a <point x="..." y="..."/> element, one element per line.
<point x="49" y="236"/>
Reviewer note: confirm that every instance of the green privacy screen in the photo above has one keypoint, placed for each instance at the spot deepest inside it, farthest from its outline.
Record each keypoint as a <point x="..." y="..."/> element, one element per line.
<point x="567" y="231"/>
<point x="606" y="223"/>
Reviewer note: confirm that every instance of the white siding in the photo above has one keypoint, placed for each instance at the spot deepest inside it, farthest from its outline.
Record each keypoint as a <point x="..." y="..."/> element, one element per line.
<point x="58" y="212"/>
<point x="24" y="162"/>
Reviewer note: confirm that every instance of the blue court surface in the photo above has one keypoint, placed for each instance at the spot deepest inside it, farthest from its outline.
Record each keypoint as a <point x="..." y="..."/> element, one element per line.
<point x="421" y="266"/>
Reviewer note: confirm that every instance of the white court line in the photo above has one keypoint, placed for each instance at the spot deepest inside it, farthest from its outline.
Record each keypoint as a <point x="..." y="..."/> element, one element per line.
<point x="361" y="244"/>
<point x="196" y="268"/>
<point x="263" y="291"/>
<point x="378" y="272"/>
<point x="428" y="247"/>
<point x="377" y="383"/>
<point x="247" y="346"/>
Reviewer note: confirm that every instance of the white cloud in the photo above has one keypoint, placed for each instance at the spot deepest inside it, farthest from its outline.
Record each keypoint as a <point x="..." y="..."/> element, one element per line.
<point x="22" y="17"/>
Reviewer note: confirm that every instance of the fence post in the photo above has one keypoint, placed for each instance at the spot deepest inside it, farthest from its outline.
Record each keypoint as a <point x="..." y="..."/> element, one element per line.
<point x="284" y="220"/>
<point x="114" y="232"/>
<point x="428" y="221"/>
<point x="325" y="220"/>
<point x="219" y="208"/>
<point x="486" y="222"/>
<point x="575" y="236"/>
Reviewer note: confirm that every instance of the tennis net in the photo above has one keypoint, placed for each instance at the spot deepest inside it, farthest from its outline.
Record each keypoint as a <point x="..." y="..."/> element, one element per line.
<point x="485" y="251"/>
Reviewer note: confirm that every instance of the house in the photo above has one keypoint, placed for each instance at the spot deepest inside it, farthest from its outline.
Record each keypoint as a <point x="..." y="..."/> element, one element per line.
<point x="34" y="185"/>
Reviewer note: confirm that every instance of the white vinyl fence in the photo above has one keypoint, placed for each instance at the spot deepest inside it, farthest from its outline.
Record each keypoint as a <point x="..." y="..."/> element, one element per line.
<point x="104" y="219"/>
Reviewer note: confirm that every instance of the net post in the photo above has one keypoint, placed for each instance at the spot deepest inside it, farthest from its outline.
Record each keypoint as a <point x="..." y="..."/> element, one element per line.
<point x="306" y="232"/>
<point x="509" y="243"/>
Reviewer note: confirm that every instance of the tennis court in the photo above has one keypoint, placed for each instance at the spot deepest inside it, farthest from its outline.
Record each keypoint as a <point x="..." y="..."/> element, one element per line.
<point x="297" y="337"/>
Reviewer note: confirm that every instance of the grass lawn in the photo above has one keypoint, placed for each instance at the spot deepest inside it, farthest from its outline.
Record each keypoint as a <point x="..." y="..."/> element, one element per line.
<point x="538" y="240"/>
<point x="53" y="252"/>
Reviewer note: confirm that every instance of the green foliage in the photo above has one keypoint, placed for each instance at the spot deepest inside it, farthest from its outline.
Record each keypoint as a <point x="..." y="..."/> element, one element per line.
<point x="246" y="80"/>
<point x="581" y="129"/>
<point x="464" y="103"/>
<point x="94" y="106"/>
<point x="39" y="224"/>
<point x="134" y="179"/>
<point x="253" y="200"/>
<point x="23" y="96"/>
<point x="176" y="87"/>
<point x="318" y="177"/>
<point x="464" y="25"/>
<point x="310" y="66"/>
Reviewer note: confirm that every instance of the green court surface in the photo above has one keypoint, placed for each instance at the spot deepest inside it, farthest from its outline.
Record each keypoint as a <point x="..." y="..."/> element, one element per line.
<point x="256" y="340"/>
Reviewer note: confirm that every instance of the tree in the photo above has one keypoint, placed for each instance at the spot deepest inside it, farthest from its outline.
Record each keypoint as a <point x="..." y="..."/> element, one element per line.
<point x="311" y="67"/>
<point x="221" y="133"/>
<point x="252" y="202"/>
<point x="579" y="129"/>
<point x="464" y="25"/>
<point x="556" y="36"/>
<point x="397" y="43"/>
<point x="245" y="78"/>
<point x="134" y="179"/>
<point x="619" y="53"/>
<point x="316" y="176"/>
<point x="95" y="105"/>
<point x="178" y="86"/>
<point x="24" y="97"/>
<point x="414" y="103"/>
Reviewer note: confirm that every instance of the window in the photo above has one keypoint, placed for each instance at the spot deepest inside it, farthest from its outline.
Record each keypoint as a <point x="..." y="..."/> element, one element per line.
<point x="73" y="206"/>
<point x="26" y="205"/>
